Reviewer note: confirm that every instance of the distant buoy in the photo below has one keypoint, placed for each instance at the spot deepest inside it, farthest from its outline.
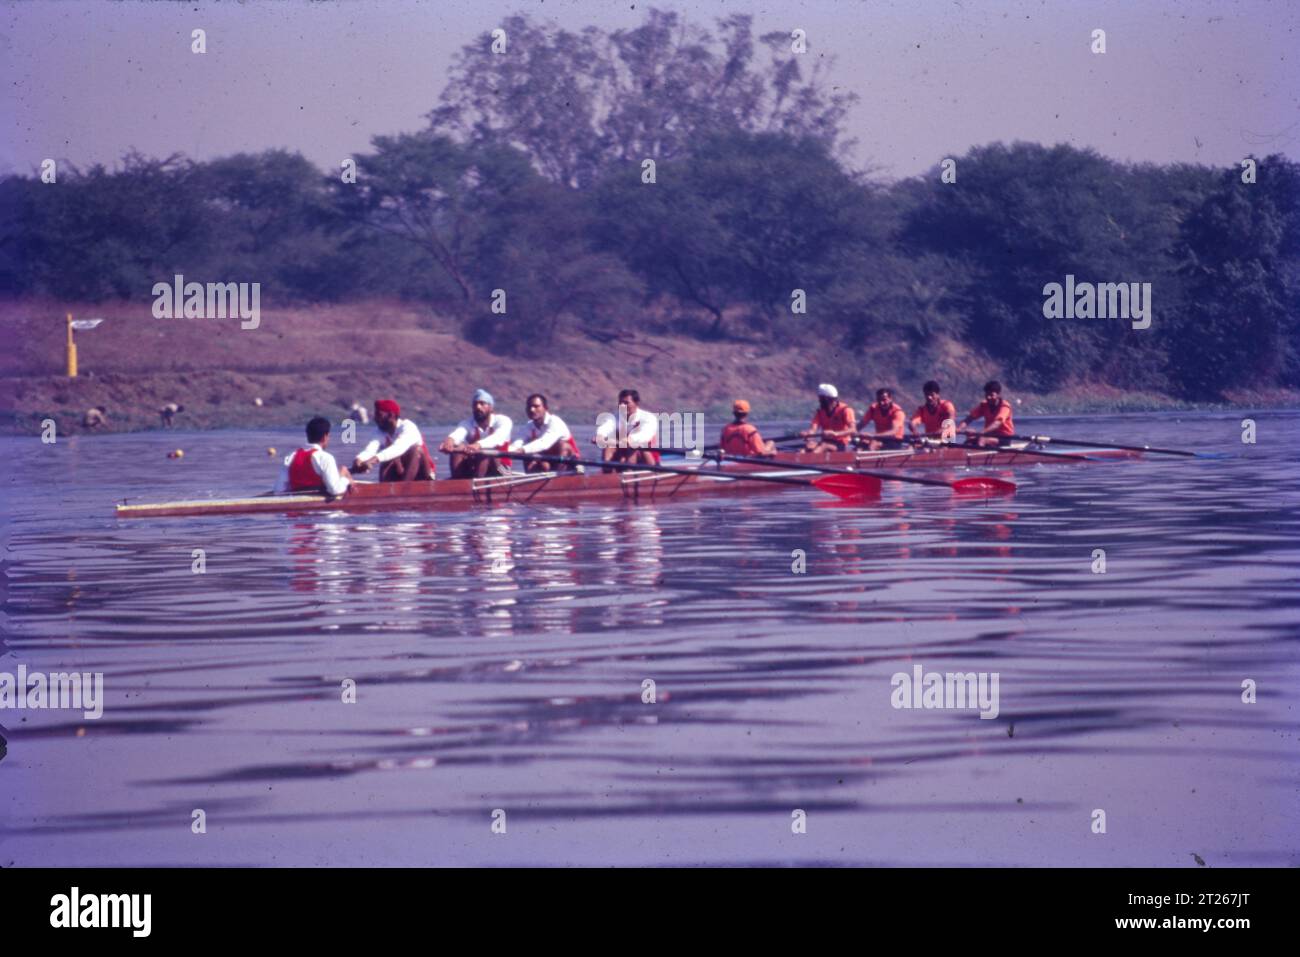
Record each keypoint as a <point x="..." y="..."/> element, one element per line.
<point x="258" y="401"/>
<point x="271" y="450"/>
<point x="178" y="454"/>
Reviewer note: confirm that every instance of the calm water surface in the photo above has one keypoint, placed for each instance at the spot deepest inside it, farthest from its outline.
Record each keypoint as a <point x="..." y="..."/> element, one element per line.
<point x="499" y="658"/>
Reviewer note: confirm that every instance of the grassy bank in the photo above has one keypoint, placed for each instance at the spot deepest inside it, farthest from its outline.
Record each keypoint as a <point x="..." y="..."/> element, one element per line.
<point x="319" y="360"/>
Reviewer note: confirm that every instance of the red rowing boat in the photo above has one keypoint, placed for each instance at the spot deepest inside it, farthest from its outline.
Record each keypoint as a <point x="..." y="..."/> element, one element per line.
<point x="543" y="487"/>
<point x="951" y="457"/>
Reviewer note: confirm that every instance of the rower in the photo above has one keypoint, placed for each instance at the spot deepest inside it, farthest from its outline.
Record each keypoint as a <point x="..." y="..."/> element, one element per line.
<point x="996" y="413"/>
<point x="545" y="434"/>
<point x="483" y="430"/>
<point x="311" y="468"/>
<point x="889" y="419"/>
<point x="833" y="424"/>
<point x="937" y="418"/>
<point x="399" y="450"/>
<point x="168" y="413"/>
<point x="741" y="437"/>
<point x="631" y="437"/>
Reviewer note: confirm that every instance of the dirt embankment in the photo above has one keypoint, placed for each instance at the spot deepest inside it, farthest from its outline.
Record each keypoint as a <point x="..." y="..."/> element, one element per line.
<point x="318" y="360"/>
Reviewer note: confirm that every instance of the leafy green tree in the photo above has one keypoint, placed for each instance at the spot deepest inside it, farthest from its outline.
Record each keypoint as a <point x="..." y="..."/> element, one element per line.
<point x="576" y="102"/>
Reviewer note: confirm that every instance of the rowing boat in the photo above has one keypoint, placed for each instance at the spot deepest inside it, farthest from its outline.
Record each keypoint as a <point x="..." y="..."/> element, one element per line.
<point x="537" y="487"/>
<point x="635" y="486"/>
<point x="951" y="457"/>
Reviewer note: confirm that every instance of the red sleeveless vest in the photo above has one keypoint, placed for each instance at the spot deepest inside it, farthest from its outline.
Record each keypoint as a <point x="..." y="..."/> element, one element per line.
<point x="302" y="477"/>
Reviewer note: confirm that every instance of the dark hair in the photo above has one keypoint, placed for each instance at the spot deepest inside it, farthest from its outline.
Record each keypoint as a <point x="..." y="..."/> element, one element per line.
<point x="993" y="385"/>
<point x="884" y="391"/>
<point x="632" y="393"/>
<point x="931" y="386"/>
<point x="536" y="395"/>
<point x="318" y="428"/>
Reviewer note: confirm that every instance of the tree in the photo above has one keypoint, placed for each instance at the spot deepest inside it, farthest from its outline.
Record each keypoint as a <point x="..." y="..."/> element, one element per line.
<point x="575" y="103"/>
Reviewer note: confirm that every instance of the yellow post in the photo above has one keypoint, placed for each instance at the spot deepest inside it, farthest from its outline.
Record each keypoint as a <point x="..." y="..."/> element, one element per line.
<point x="72" y="351"/>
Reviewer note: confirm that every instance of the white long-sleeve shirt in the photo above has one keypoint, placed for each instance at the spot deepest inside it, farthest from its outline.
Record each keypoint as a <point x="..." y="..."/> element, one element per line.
<point x="495" y="435"/>
<point x="331" y="478"/>
<point x="642" y="430"/>
<point x="538" y="438"/>
<point x="388" y="447"/>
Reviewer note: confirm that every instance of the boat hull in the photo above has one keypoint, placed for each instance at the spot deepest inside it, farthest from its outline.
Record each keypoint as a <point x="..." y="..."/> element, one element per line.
<point x="543" y="488"/>
<point x="950" y="457"/>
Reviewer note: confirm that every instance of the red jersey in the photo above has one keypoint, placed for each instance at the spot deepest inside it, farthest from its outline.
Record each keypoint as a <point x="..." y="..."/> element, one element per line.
<point x="888" y="419"/>
<point x="839" y="419"/>
<point x="302" y="475"/>
<point x="741" y="438"/>
<point x="932" y="422"/>
<point x="999" y="417"/>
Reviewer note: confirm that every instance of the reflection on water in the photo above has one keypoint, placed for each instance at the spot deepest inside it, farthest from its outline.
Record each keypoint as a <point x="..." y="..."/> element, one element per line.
<point x="501" y="660"/>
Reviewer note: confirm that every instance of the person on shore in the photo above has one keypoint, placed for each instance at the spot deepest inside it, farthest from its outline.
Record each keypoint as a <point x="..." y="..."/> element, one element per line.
<point x="741" y="437"/>
<point x="169" y="412"/>
<point x="359" y="414"/>
<point x="889" y="420"/>
<point x="937" y="417"/>
<point x="996" y="413"/>
<point x="399" y="450"/>
<point x="95" y="418"/>
<point x="311" y="468"/>
<point x="833" y="424"/>
<point x="483" y="430"/>
<point x="545" y="433"/>
<point x="632" y="436"/>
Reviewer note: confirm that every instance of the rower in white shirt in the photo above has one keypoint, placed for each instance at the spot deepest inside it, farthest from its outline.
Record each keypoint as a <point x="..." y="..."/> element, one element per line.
<point x="545" y="434"/>
<point x="485" y="429"/>
<point x="632" y="435"/>
<point x="311" y="468"/>
<point x="399" y="451"/>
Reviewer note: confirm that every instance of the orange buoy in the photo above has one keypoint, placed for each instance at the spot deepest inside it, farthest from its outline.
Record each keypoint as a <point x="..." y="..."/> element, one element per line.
<point x="270" y="450"/>
<point x="177" y="454"/>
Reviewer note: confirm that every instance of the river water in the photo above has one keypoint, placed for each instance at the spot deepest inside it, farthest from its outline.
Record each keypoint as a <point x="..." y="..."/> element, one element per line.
<point x="501" y="660"/>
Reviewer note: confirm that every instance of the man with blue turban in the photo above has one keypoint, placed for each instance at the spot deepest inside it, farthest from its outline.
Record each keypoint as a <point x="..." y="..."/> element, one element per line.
<point x="485" y="429"/>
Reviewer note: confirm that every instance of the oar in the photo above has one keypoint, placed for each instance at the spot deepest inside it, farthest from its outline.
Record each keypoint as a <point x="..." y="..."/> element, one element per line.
<point x="850" y="485"/>
<point x="982" y="484"/>
<point x="975" y="449"/>
<point x="1044" y="439"/>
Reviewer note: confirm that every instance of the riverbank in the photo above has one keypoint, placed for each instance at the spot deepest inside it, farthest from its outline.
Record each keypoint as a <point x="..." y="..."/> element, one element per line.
<point x="319" y="360"/>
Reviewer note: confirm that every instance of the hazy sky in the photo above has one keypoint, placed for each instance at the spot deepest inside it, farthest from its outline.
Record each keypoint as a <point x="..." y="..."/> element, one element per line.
<point x="1192" y="80"/>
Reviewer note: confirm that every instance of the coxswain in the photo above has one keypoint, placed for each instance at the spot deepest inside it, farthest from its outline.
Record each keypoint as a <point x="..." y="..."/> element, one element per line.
<point x="996" y="413"/>
<point x="631" y="436"/>
<point x="889" y="420"/>
<point x="311" y="468"/>
<point x="937" y="418"/>
<point x="833" y="424"/>
<point x="95" y="418"/>
<point x="398" y="450"/>
<point x="168" y="413"/>
<point x="545" y="434"/>
<point x="485" y="429"/>
<point x="742" y="437"/>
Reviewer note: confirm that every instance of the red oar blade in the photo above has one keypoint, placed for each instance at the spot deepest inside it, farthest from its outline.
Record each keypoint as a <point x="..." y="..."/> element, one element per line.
<point x="849" y="486"/>
<point x="983" y="485"/>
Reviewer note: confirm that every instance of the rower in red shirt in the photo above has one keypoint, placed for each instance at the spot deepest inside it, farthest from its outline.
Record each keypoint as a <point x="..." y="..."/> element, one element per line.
<point x="937" y="419"/>
<point x="996" y="413"/>
<point x="833" y="424"/>
<point x="889" y="419"/>
<point x="742" y="437"/>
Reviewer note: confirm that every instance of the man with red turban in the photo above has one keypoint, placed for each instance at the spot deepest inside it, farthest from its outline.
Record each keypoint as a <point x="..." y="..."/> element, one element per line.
<point x="399" y="451"/>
